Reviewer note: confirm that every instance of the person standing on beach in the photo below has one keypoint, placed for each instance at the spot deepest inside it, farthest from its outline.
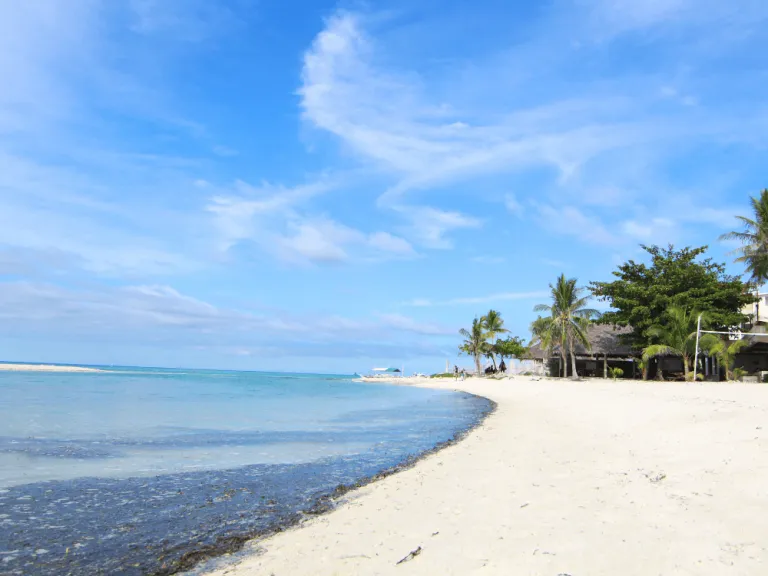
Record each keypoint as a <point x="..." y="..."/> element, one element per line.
<point x="462" y="374"/>
<point x="455" y="373"/>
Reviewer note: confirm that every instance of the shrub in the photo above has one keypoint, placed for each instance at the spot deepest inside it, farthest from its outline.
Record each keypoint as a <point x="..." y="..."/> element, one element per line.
<point x="739" y="373"/>
<point x="615" y="373"/>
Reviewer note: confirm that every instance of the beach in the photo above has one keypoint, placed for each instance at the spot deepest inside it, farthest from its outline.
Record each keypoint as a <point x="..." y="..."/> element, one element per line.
<point x="564" y="478"/>
<point x="45" y="368"/>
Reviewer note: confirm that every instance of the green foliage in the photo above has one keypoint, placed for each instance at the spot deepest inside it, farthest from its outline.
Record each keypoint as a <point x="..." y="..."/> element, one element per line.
<point x="689" y="376"/>
<point x="567" y="318"/>
<point x="615" y="372"/>
<point x="675" y="334"/>
<point x="642" y="293"/>
<point x="510" y="347"/>
<point x="754" y="239"/>
<point x="474" y="342"/>
<point x="443" y="375"/>
<point x="726" y="353"/>
<point x="739" y="373"/>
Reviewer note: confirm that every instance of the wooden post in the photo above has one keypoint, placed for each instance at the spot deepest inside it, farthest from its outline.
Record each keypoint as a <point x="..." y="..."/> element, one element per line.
<point x="605" y="365"/>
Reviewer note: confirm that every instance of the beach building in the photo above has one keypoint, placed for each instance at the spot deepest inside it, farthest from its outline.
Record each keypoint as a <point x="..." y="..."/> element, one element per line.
<point x="758" y="311"/>
<point x="608" y="351"/>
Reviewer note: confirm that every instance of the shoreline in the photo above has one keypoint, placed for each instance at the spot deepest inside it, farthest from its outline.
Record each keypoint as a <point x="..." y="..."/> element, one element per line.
<point x="593" y="477"/>
<point x="21" y="367"/>
<point x="209" y="559"/>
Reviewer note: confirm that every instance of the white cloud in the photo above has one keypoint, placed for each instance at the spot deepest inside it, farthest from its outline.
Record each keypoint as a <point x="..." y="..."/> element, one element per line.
<point x="385" y="116"/>
<point x="428" y="225"/>
<point x="159" y="312"/>
<point x="651" y="231"/>
<point x="488" y="299"/>
<point x="409" y="324"/>
<point x="570" y="221"/>
<point x="279" y="221"/>
<point x="487" y="259"/>
<point x="386" y="242"/>
<point x="317" y="241"/>
<point x="605" y="140"/>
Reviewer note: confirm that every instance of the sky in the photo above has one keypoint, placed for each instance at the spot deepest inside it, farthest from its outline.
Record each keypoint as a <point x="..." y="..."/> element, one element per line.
<point x="328" y="187"/>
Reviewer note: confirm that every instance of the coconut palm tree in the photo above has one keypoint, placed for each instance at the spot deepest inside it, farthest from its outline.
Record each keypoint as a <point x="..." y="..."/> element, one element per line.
<point x="676" y="336"/>
<point x="546" y="333"/>
<point x="726" y="353"/>
<point x="754" y="242"/>
<point x="493" y="324"/>
<point x="474" y="342"/>
<point x="570" y="313"/>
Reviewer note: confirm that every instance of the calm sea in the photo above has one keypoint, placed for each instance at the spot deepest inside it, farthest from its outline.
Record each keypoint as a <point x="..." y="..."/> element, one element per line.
<point x="136" y="470"/>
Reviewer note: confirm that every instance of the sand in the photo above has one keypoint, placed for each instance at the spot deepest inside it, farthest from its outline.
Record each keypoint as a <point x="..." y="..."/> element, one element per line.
<point x="46" y="368"/>
<point x="580" y="479"/>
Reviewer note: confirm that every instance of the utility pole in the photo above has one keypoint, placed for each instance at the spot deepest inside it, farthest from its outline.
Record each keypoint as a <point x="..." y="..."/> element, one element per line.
<point x="696" y="354"/>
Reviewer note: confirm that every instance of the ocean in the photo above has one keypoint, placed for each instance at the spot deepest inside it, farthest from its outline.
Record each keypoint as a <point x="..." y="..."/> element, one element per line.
<point x="147" y="471"/>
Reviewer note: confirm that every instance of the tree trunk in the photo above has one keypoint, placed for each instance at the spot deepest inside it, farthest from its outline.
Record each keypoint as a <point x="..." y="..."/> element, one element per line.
<point x="565" y="360"/>
<point x="686" y="369"/>
<point x="574" y="374"/>
<point x="605" y="365"/>
<point x="493" y="359"/>
<point x="659" y="371"/>
<point x="757" y="306"/>
<point x="477" y="364"/>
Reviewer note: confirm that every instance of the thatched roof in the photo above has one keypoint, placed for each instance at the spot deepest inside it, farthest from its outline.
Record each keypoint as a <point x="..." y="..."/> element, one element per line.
<point x="605" y="339"/>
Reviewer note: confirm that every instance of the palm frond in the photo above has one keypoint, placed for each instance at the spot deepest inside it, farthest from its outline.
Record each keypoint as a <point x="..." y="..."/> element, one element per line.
<point x="660" y="350"/>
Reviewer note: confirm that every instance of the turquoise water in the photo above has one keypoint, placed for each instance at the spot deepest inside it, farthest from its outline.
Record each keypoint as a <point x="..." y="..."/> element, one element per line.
<point x="83" y="455"/>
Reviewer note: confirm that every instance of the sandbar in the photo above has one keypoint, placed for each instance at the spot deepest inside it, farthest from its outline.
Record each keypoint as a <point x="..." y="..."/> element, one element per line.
<point x="45" y="368"/>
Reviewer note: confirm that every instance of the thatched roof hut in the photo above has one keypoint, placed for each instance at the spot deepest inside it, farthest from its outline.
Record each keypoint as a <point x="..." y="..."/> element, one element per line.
<point x="606" y="340"/>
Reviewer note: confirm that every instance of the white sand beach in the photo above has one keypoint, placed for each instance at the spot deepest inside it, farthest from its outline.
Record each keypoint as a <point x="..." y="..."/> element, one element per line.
<point x="580" y="479"/>
<point x="45" y="368"/>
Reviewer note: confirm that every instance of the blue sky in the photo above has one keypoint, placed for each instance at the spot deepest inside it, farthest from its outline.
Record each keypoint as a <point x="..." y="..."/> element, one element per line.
<point x="318" y="186"/>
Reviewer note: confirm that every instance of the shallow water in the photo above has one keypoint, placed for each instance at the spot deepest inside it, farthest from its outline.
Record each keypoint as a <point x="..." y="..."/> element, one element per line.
<point x="131" y="470"/>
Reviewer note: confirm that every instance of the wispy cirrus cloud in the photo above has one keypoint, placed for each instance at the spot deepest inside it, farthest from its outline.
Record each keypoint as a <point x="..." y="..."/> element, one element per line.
<point x="492" y="299"/>
<point x="599" y="138"/>
<point x="118" y="313"/>
<point x="279" y="221"/>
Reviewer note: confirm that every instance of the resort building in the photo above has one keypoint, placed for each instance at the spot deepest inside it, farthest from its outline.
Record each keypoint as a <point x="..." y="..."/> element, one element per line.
<point x="610" y="351"/>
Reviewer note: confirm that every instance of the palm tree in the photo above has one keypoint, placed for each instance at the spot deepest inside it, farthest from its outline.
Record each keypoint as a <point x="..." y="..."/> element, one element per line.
<point x="493" y="324"/>
<point x="474" y="342"/>
<point x="676" y="337"/>
<point x="726" y="353"/>
<point x="570" y="313"/>
<point x="546" y="333"/>
<point x="754" y="242"/>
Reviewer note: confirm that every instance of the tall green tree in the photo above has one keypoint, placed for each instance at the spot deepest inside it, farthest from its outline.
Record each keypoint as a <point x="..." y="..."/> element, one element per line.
<point x="510" y="347"/>
<point x="569" y="312"/>
<point x="726" y="353"/>
<point x="675" y="335"/>
<point x="474" y="343"/>
<point x="753" y="252"/>
<point x="642" y="293"/>
<point x="493" y="324"/>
